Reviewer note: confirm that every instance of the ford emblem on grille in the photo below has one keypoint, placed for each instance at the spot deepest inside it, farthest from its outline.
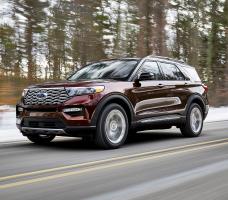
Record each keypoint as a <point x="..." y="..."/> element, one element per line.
<point x="41" y="95"/>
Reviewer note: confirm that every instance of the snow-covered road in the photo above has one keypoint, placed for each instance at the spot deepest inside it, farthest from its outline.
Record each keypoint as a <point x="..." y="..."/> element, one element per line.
<point x="9" y="132"/>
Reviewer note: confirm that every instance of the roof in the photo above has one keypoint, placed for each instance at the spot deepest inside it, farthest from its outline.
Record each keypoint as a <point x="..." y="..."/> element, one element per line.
<point x="120" y="59"/>
<point x="167" y="58"/>
<point x="150" y="56"/>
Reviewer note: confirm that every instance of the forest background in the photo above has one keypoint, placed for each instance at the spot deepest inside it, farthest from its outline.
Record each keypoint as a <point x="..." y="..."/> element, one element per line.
<point x="47" y="40"/>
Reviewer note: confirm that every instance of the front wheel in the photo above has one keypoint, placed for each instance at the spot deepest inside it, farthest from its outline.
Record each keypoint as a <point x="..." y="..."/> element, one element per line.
<point x="194" y="121"/>
<point x="41" y="139"/>
<point x="112" y="127"/>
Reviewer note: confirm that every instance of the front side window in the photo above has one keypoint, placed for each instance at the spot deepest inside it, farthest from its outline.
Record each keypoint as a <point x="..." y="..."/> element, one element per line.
<point x="172" y="72"/>
<point x="151" y="67"/>
<point x="113" y="69"/>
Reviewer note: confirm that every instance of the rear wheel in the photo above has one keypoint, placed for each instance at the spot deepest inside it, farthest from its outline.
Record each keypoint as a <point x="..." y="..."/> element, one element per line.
<point x="112" y="127"/>
<point x="41" y="139"/>
<point x="131" y="134"/>
<point x="194" y="121"/>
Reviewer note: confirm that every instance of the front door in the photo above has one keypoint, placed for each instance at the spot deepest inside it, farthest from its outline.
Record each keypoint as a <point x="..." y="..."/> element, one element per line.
<point x="150" y="96"/>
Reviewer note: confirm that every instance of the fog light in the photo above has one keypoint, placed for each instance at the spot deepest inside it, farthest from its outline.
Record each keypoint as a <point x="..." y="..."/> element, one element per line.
<point x="20" y="109"/>
<point x="18" y="121"/>
<point x="72" y="109"/>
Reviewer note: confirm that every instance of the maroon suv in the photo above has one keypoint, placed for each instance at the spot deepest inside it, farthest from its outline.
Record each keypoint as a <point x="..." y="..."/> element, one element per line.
<point x="107" y="100"/>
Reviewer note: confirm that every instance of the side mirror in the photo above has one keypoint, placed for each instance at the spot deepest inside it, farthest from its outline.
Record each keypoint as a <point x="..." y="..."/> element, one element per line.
<point x="145" y="76"/>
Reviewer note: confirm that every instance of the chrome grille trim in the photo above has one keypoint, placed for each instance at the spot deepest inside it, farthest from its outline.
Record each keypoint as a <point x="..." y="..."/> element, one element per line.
<point x="55" y="96"/>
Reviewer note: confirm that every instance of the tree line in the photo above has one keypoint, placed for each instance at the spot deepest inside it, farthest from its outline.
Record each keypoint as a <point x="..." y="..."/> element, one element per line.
<point x="44" y="40"/>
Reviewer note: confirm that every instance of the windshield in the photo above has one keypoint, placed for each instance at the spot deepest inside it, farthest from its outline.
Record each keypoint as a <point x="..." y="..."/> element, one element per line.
<point x="114" y="69"/>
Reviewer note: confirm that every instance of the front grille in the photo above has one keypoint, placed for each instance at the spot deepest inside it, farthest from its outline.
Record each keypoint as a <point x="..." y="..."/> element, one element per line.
<point x="54" y="96"/>
<point x="38" y="122"/>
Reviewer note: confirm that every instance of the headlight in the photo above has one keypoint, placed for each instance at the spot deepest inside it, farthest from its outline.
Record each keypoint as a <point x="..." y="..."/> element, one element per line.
<point x="74" y="91"/>
<point x="24" y="92"/>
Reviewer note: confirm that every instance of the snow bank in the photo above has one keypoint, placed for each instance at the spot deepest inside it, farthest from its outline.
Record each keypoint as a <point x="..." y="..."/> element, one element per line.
<point x="7" y="118"/>
<point x="8" y="129"/>
<point x="217" y="114"/>
<point x="11" y="135"/>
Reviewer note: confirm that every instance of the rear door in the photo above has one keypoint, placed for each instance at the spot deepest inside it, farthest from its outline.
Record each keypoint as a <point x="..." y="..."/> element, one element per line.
<point x="176" y="85"/>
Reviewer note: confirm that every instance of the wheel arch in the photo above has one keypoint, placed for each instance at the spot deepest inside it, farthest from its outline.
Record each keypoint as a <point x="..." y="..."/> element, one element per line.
<point x="118" y="99"/>
<point x="196" y="98"/>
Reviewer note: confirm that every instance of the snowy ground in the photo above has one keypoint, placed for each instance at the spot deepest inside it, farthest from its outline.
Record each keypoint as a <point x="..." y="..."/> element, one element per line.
<point x="9" y="132"/>
<point x="8" y="129"/>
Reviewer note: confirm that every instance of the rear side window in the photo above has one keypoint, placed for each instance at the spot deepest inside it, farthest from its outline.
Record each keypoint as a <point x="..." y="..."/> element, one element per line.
<point x="192" y="73"/>
<point x="172" y="72"/>
<point x="151" y="67"/>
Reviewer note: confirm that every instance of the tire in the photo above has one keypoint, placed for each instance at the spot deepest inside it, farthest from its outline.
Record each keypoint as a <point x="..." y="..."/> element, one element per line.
<point x="87" y="139"/>
<point x="112" y="127"/>
<point x="131" y="134"/>
<point x="40" y="139"/>
<point x="194" y="121"/>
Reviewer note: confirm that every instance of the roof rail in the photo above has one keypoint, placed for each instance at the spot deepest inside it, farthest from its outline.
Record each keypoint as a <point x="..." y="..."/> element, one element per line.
<point x="119" y="59"/>
<point x="167" y="58"/>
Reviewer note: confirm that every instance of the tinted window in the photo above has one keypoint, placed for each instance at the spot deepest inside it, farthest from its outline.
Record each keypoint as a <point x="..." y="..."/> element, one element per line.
<point x="115" y="69"/>
<point x="151" y="67"/>
<point x="192" y="72"/>
<point x="172" y="72"/>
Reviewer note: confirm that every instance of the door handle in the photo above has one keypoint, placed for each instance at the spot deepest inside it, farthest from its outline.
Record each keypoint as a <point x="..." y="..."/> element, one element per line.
<point x="160" y="85"/>
<point x="186" y="84"/>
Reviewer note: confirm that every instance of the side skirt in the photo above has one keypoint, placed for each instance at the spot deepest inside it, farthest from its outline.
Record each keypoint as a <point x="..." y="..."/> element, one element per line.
<point x="165" y="121"/>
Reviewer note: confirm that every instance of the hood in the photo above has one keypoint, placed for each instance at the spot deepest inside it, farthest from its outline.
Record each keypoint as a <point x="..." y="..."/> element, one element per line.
<point x="76" y="83"/>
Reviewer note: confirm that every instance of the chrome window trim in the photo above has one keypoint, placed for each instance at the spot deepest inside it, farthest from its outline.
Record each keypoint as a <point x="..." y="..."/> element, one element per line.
<point x="132" y="77"/>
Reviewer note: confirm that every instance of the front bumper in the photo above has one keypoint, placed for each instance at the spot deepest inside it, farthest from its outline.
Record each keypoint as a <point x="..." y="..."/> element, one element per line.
<point x="70" y="131"/>
<point x="206" y="112"/>
<point x="65" y="124"/>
